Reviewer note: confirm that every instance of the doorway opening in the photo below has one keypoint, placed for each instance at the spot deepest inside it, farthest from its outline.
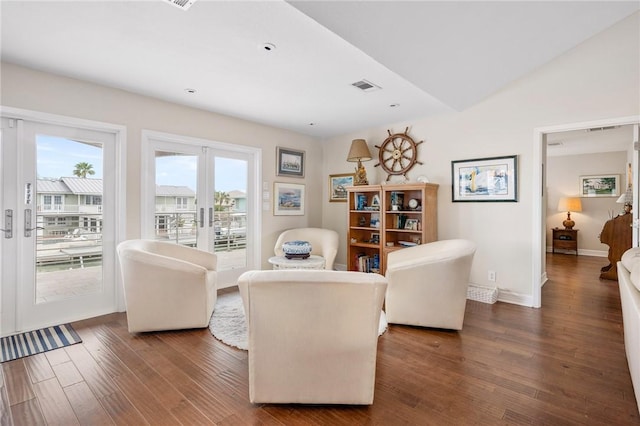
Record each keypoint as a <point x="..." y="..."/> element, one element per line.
<point x="541" y="201"/>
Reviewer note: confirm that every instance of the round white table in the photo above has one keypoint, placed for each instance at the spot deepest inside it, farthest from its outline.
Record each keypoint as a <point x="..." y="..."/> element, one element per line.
<point x="312" y="262"/>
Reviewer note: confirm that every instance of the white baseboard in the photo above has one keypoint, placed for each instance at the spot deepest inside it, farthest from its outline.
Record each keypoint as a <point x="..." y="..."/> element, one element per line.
<point x="583" y="252"/>
<point x="515" y="298"/>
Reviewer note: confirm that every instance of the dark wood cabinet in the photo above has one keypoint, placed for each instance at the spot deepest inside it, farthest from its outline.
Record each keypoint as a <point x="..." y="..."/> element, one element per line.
<point x="616" y="233"/>
<point x="565" y="239"/>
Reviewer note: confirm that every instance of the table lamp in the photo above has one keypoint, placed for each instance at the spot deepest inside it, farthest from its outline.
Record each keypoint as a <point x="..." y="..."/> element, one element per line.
<point x="359" y="152"/>
<point x="569" y="204"/>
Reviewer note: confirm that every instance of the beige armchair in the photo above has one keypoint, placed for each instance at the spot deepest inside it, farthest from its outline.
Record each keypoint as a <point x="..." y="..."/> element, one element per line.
<point x="167" y="286"/>
<point x="428" y="284"/>
<point x="313" y="335"/>
<point x="324" y="242"/>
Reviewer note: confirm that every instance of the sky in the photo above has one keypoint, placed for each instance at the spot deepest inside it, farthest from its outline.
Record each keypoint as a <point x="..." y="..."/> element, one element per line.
<point x="57" y="158"/>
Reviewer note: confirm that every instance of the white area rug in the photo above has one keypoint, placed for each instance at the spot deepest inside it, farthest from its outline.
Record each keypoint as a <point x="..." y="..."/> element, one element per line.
<point x="228" y="325"/>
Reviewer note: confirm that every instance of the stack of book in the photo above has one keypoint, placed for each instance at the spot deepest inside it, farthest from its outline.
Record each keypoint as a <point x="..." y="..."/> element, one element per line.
<point x="367" y="263"/>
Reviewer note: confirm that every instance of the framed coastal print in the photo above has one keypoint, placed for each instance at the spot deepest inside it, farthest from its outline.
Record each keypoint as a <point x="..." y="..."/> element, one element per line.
<point x="337" y="186"/>
<point x="289" y="162"/>
<point x="288" y="199"/>
<point x="600" y="186"/>
<point x="485" y="179"/>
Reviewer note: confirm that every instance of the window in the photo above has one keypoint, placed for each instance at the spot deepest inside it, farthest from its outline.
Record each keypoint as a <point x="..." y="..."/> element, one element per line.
<point x="57" y="202"/>
<point x="46" y="202"/>
<point x="181" y="203"/>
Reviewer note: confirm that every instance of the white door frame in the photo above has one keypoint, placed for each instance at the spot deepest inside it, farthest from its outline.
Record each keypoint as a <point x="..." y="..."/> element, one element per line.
<point x="254" y="212"/>
<point x="11" y="320"/>
<point x="539" y="181"/>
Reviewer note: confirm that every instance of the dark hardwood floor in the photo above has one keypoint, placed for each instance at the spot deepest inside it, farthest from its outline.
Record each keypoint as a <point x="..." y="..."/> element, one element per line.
<point x="563" y="364"/>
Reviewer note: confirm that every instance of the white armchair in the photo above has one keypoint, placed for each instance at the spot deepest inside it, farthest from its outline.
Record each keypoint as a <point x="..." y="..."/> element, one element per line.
<point x="324" y="242"/>
<point x="428" y="284"/>
<point x="167" y="286"/>
<point x="313" y="335"/>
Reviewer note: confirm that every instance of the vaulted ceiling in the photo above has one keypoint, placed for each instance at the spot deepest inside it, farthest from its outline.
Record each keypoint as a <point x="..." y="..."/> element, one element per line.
<point x="292" y="64"/>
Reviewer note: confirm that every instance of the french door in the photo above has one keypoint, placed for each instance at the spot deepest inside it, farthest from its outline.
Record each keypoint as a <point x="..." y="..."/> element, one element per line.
<point x="59" y="223"/>
<point x="202" y="194"/>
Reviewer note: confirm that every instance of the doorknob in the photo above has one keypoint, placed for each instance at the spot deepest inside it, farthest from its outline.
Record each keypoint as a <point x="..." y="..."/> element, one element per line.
<point x="8" y="223"/>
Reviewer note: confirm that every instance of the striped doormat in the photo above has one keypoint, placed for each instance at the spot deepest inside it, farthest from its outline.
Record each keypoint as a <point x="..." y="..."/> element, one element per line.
<point x="37" y="341"/>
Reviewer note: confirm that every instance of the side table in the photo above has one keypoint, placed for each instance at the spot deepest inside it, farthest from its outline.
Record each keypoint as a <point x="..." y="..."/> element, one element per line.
<point x="565" y="239"/>
<point x="312" y="262"/>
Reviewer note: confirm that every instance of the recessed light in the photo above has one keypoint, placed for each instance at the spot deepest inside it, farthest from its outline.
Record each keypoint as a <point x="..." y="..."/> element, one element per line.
<point x="312" y="124"/>
<point x="394" y="105"/>
<point x="190" y="91"/>
<point x="269" y="47"/>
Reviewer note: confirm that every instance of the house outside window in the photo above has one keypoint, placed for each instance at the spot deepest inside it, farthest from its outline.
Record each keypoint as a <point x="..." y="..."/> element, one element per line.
<point x="46" y="202"/>
<point x="57" y="202"/>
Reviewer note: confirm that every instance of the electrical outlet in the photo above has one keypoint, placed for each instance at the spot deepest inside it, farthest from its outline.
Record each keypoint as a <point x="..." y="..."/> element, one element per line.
<point x="491" y="276"/>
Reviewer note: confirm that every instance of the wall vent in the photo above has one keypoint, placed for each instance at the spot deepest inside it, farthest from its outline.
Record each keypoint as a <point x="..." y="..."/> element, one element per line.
<point x="366" y="86"/>
<point x="555" y="144"/>
<point x="182" y="4"/>
<point x="598" y="129"/>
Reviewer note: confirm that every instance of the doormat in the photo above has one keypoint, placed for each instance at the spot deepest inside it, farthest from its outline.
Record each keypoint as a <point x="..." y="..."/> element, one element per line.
<point x="37" y="341"/>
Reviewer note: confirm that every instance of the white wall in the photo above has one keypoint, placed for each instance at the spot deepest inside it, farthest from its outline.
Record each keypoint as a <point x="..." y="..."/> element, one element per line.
<point x="596" y="80"/>
<point x="563" y="173"/>
<point x="37" y="91"/>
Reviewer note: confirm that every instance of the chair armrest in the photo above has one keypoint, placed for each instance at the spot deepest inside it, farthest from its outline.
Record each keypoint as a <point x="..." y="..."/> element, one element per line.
<point x="190" y="255"/>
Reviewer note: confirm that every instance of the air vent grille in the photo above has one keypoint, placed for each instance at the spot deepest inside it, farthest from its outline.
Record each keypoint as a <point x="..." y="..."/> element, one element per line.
<point x="555" y="144"/>
<point x="182" y="4"/>
<point x="366" y="86"/>
<point x="599" y="129"/>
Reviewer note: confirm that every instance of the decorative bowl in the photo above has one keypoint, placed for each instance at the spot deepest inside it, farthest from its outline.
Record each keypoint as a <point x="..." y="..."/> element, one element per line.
<point x="296" y="249"/>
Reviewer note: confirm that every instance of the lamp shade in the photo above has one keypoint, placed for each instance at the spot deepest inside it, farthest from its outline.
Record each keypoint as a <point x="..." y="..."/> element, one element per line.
<point x="359" y="151"/>
<point x="570" y="204"/>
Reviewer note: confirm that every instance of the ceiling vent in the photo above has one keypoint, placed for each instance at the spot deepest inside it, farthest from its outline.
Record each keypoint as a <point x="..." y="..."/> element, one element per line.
<point x="182" y="4"/>
<point x="366" y="86"/>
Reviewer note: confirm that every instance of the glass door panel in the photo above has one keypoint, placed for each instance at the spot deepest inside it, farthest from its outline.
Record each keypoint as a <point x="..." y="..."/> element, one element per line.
<point x="175" y="197"/>
<point x="68" y="218"/>
<point x="230" y="217"/>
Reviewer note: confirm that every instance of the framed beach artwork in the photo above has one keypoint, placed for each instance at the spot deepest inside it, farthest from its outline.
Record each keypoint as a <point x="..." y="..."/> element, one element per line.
<point x="288" y="199"/>
<point x="600" y="186"/>
<point x="485" y="179"/>
<point x="289" y="162"/>
<point x="338" y="186"/>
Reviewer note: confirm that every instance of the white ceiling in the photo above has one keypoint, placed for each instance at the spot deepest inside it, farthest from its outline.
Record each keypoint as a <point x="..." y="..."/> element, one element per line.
<point x="590" y="141"/>
<point x="428" y="57"/>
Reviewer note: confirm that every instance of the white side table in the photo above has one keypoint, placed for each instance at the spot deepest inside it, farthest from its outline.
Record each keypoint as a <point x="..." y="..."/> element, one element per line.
<point x="312" y="262"/>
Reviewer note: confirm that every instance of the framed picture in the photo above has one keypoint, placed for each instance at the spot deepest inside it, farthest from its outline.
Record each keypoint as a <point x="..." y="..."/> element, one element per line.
<point x="411" y="224"/>
<point x="289" y="162"/>
<point x="600" y="186"/>
<point x="338" y="186"/>
<point x="288" y="199"/>
<point x="485" y="179"/>
<point x="375" y="238"/>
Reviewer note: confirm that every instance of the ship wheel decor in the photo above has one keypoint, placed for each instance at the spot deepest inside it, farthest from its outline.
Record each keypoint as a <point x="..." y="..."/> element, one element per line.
<point x="398" y="154"/>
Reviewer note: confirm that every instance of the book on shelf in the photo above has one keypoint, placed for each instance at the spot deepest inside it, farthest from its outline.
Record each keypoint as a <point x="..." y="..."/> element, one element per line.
<point x="366" y="263"/>
<point x="360" y="201"/>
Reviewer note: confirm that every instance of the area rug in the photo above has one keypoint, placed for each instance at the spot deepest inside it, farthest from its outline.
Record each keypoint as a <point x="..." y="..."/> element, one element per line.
<point x="37" y="341"/>
<point x="228" y="325"/>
